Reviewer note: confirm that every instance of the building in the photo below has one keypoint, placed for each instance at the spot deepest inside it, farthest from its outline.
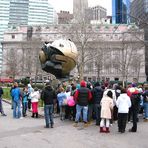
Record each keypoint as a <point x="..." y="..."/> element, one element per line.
<point x="117" y="48"/>
<point x="139" y="15"/>
<point x="40" y="12"/>
<point x="30" y="12"/>
<point x="4" y="19"/>
<point x="24" y="12"/>
<point x="120" y="11"/>
<point x="18" y="12"/>
<point x="98" y="13"/>
<point x="79" y="9"/>
<point x="64" y="17"/>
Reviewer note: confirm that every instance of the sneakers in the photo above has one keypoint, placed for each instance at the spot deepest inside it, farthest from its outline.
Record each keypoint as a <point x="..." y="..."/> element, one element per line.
<point x="75" y="124"/>
<point x="86" y="124"/>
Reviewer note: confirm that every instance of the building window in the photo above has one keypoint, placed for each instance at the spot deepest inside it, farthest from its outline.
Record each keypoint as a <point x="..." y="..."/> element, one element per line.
<point x="13" y="36"/>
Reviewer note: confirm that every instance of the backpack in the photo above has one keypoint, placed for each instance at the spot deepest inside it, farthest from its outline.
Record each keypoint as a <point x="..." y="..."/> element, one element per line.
<point x="135" y="99"/>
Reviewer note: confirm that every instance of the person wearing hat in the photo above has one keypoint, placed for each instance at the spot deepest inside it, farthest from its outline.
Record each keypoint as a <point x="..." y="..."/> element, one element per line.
<point x="82" y="97"/>
<point x="135" y="100"/>
<point x="48" y="95"/>
<point x="30" y="90"/>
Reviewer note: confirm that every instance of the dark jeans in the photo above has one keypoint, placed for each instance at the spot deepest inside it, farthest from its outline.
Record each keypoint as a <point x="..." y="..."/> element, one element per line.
<point x="97" y="113"/>
<point x="130" y="114"/>
<point x="90" y="111"/>
<point x="115" y="113"/>
<point x="48" y="112"/>
<point x="135" y="118"/>
<point x="122" y="118"/>
<point x="1" y="106"/>
<point x="24" y="109"/>
<point x="29" y="103"/>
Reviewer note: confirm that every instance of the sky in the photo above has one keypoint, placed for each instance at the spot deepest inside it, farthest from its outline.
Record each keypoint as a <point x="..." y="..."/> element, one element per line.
<point x="67" y="5"/>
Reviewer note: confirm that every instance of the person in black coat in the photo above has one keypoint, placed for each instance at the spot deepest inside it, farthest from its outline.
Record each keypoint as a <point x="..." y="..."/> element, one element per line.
<point x="135" y="99"/>
<point x="97" y="94"/>
<point x="48" y="95"/>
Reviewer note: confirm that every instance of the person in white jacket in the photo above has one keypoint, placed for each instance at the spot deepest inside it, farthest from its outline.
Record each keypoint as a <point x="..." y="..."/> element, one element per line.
<point x="35" y="96"/>
<point x="123" y="103"/>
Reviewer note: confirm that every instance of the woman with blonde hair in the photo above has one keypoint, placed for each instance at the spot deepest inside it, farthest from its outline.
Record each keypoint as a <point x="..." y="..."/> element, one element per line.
<point x="61" y="97"/>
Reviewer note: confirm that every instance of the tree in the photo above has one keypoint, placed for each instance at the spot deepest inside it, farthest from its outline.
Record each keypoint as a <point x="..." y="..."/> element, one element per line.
<point x="125" y="61"/>
<point x="13" y="62"/>
<point x="81" y="34"/>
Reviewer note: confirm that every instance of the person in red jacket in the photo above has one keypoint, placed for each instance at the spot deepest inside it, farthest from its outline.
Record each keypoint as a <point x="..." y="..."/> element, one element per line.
<point x="82" y="97"/>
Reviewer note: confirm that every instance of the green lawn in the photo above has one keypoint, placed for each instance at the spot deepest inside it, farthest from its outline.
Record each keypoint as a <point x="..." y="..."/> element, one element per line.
<point x="6" y="94"/>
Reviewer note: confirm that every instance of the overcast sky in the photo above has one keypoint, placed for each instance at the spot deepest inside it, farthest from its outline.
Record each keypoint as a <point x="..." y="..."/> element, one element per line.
<point x="68" y="4"/>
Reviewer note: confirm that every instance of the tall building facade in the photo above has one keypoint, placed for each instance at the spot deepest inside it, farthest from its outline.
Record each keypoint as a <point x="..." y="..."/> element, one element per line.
<point x="139" y="15"/>
<point x="139" y="11"/>
<point x="24" y="12"/>
<point x="98" y="12"/>
<point x="120" y="11"/>
<point x="4" y="19"/>
<point x="40" y="12"/>
<point x="79" y="9"/>
<point x="18" y="12"/>
<point x="110" y="63"/>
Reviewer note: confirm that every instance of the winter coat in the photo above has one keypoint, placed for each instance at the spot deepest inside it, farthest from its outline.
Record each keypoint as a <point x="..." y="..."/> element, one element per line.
<point x="1" y="92"/>
<point x="48" y="95"/>
<point x="145" y="96"/>
<point x="30" y="90"/>
<point x="123" y="103"/>
<point x="61" y="96"/>
<point x="106" y="107"/>
<point x="35" y="96"/>
<point x="82" y="96"/>
<point x="114" y="95"/>
<point x="16" y="94"/>
<point x="97" y="94"/>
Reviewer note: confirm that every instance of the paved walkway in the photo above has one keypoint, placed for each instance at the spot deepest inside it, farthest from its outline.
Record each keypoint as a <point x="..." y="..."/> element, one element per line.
<point x="30" y="133"/>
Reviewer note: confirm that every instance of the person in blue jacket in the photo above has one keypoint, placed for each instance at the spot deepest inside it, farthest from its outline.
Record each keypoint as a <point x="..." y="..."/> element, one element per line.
<point x="16" y="94"/>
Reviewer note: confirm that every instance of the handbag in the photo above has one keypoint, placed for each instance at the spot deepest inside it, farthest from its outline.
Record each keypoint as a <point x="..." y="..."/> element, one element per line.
<point x="70" y="101"/>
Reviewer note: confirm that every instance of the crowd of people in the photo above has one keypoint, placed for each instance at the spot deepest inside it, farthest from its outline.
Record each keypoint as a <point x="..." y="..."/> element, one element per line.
<point x="83" y="102"/>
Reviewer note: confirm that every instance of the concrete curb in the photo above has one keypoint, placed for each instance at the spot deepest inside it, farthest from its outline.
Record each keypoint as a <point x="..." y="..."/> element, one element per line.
<point x="40" y="109"/>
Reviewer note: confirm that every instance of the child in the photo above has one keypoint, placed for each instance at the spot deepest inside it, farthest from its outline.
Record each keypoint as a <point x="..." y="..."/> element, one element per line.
<point x="25" y="101"/>
<point x="106" y="111"/>
<point x="35" y="95"/>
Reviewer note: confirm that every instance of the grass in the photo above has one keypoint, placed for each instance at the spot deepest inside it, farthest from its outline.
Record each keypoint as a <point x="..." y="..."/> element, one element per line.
<point x="6" y="94"/>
